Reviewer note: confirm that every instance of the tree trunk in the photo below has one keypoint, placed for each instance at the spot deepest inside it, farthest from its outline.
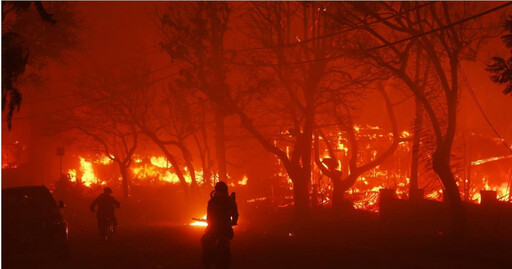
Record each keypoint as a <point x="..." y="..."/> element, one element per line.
<point x="204" y="151"/>
<point x="170" y="158"/>
<point x="348" y="182"/>
<point x="125" y="182"/>
<point x="192" y="173"/>
<point x="299" y="176"/>
<point x="188" y="161"/>
<point x="337" y="192"/>
<point x="178" y="171"/>
<point x="441" y="165"/>
<point x="442" y="155"/>
<point x="301" y="198"/>
<point x="303" y="177"/>
<point x="355" y="170"/>
<point x="331" y="173"/>
<point x="220" y="145"/>
<point x="418" y="122"/>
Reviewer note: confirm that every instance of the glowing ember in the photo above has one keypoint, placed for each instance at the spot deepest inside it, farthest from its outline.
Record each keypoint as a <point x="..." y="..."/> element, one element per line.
<point x="256" y="199"/>
<point x="243" y="181"/>
<point x="436" y="195"/>
<point x="405" y="134"/>
<point x="341" y="146"/>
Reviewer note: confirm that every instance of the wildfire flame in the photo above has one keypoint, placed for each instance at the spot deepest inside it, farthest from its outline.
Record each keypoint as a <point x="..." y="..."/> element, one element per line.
<point x="199" y="222"/>
<point x="104" y="160"/>
<point x="364" y="193"/>
<point x="88" y="177"/>
<point x="72" y="175"/>
<point x="159" y="162"/>
<point x="243" y="181"/>
<point x="156" y="169"/>
<point x="155" y="172"/>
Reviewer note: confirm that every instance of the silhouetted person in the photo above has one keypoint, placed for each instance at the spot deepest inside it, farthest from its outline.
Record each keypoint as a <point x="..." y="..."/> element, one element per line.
<point x="106" y="205"/>
<point x="222" y="214"/>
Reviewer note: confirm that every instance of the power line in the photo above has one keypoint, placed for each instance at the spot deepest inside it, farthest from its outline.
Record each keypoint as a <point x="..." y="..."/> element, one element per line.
<point x="448" y="25"/>
<point x="470" y="89"/>
<point x="384" y="45"/>
<point x="334" y="33"/>
<point x="340" y="56"/>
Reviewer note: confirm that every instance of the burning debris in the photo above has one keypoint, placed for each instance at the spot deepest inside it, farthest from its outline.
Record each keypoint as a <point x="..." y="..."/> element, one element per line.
<point x="199" y="222"/>
<point x="363" y="194"/>
<point x="490" y="159"/>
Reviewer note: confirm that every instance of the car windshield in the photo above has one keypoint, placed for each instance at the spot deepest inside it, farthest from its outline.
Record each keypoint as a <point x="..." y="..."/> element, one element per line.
<point x="29" y="202"/>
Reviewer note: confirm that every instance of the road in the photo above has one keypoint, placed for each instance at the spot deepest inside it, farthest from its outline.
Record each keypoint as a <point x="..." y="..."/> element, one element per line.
<point x="171" y="245"/>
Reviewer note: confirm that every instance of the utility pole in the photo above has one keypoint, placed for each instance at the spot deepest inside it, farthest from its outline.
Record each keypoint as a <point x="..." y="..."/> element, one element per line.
<point x="60" y="153"/>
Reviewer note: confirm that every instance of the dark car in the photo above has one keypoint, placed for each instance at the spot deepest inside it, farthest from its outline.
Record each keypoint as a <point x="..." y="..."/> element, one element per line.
<point x="32" y="222"/>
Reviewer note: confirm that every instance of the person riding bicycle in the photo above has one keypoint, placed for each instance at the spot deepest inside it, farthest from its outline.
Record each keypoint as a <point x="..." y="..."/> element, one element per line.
<point x="106" y="205"/>
<point x="222" y="214"/>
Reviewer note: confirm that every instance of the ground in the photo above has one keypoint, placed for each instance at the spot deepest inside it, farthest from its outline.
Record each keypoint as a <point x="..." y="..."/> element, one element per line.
<point x="353" y="245"/>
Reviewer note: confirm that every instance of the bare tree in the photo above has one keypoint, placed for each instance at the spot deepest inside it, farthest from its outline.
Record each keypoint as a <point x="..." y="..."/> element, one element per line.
<point x="202" y="144"/>
<point x="292" y="92"/>
<point x="344" y="118"/>
<point x="115" y="140"/>
<point x="167" y="118"/>
<point x="194" y="33"/>
<point x="437" y="31"/>
<point x="296" y="38"/>
<point x="104" y="118"/>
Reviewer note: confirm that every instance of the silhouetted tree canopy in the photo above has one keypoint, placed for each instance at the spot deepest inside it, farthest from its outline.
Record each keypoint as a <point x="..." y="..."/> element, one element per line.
<point x="14" y="60"/>
<point x="500" y="68"/>
<point x="14" y="56"/>
<point x="27" y="46"/>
